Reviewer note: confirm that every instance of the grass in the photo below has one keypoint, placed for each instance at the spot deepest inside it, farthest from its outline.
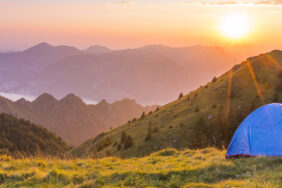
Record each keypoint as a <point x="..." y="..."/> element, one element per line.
<point x="166" y="168"/>
<point x="177" y="121"/>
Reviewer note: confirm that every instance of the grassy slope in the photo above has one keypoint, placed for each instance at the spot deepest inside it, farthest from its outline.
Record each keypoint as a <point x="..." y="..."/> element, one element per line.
<point x="176" y="121"/>
<point x="166" y="168"/>
<point x="20" y="137"/>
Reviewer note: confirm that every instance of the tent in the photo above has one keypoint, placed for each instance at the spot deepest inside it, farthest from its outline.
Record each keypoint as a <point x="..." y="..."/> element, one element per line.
<point x="260" y="134"/>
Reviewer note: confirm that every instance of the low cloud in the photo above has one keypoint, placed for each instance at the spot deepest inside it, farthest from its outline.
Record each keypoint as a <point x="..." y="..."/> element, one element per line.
<point x="232" y="3"/>
<point x="122" y="2"/>
<point x="270" y="2"/>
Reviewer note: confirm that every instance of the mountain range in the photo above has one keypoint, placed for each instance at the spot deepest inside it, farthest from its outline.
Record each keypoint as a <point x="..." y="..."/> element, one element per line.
<point x="205" y="117"/>
<point x="71" y="118"/>
<point x="151" y="75"/>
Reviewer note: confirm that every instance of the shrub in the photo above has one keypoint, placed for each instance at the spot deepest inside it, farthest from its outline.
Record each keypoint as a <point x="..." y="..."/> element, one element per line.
<point x="197" y="109"/>
<point x="214" y="79"/>
<point x="128" y="142"/>
<point x="155" y="130"/>
<point x="167" y="152"/>
<point x="77" y="179"/>
<point x="107" y="142"/>
<point x="123" y="137"/>
<point x="157" y="109"/>
<point x="143" y="115"/>
<point x="115" y="144"/>
<point x="148" y="137"/>
<point x="279" y="87"/>
<point x="280" y="74"/>
<point x="149" y="134"/>
<point x="170" y="126"/>
<point x="180" y="95"/>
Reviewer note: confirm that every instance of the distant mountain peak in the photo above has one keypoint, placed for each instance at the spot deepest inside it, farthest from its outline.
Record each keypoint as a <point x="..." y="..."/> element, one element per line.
<point x="39" y="47"/>
<point x="103" y="102"/>
<point x="22" y="101"/>
<point x="97" y="49"/>
<point x="44" y="98"/>
<point x="72" y="99"/>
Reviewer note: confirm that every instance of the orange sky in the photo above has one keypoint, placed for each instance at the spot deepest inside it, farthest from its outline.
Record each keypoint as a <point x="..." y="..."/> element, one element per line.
<point x="133" y="23"/>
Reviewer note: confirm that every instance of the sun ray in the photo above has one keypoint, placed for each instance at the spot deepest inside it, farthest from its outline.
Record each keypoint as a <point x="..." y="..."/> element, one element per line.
<point x="229" y="93"/>
<point x="255" y="82"/>
<point x="273" y="60"/>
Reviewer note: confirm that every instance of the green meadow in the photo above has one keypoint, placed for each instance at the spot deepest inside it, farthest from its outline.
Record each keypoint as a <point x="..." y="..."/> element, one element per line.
<point x="166" y="168"/>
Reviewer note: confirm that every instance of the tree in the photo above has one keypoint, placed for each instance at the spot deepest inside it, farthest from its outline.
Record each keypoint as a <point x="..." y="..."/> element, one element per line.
<point x="197" y="109"/>
<point x="107" y="142"/>
<point x="158" y="108"/>
<point x="214" y="79"/>
<point x="180" y="95"/>
<point x="128" y="142"/>
<point x="143" y="115"/>
<point x="123" y="137"/>
<point x="149" y="134"/>
<point x="276" y="97"/>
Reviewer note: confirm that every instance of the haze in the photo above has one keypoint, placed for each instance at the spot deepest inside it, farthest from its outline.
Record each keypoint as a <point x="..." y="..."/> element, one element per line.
<point x="133" y="23"/>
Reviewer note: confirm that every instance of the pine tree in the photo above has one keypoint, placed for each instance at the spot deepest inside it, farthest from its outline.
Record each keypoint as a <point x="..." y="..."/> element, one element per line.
<point x="180" y="95"/>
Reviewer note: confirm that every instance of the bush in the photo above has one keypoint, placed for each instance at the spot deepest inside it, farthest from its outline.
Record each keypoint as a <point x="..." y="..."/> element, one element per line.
<point x="197" y="109"/>
<point x="180" y="95"/>
<point x="149" y="134"/>
<point x="123" y="137"/>
<point x="155" y="130"/>
<point x="148" y="137"/>
<point x="128" y="142"/>
<point x="214" y="79"/>
<point x="279" y="87"/>
<point x="107" y="142"/>
<point x="143" y="115"/>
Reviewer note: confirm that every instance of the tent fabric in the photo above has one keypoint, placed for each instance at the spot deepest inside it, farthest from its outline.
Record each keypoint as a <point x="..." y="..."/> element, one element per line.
<point x="260" y="134"/>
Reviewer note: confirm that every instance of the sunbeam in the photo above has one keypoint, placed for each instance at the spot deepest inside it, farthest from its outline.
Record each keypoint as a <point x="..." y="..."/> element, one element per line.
<point x="255" y="81"/>
<point x="229" y="92"/>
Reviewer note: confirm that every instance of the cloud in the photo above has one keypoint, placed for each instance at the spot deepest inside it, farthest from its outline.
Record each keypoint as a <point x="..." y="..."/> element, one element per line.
<point x="122" y="2"/>
<point x="232" y="3"/>
<point x="270" y="2"/>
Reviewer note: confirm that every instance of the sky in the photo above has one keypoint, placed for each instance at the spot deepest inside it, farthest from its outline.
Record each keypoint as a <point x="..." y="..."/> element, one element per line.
<point x="133" y="23"/>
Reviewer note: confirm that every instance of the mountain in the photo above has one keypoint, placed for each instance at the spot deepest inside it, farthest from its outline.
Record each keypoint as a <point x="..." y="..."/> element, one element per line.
<point x="207" y="116"/>
<point x="19" y="70"/>
<point x="19" y="136"/>
<point x="71" y="118"/>
<point x="151" y="75"/>
<point x="96" y="49"/>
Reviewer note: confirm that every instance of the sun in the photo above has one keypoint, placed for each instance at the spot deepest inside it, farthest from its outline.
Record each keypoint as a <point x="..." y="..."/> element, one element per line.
<point x="235" y="26"/>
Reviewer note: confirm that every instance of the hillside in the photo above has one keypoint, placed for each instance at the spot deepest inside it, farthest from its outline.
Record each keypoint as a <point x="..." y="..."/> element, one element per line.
<point x="150" y="75"/>
<point x="167" y="168"/>
<point x="71" y="118"/>
<point x="18" y="136"/>
<point x="207" y="116"/>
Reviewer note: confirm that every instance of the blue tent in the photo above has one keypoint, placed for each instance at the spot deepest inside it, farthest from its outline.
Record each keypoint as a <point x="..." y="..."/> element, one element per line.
<point x="260" y="134"/>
